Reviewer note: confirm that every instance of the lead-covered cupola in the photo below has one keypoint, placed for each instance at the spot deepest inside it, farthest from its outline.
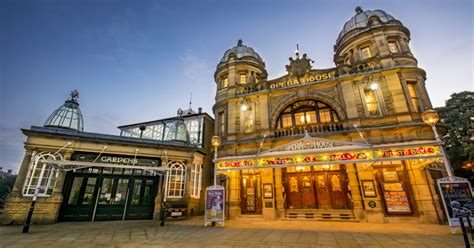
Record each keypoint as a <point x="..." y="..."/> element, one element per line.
<point x="68" y="115"/>
<point x="372" y="39"/>
<point x="240" y="67"/>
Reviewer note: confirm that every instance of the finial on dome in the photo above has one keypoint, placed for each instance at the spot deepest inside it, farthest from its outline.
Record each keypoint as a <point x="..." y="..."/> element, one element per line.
<point x="74" y="95"/>
<point x="239" y="42"/>
<point x="358" y="10"/>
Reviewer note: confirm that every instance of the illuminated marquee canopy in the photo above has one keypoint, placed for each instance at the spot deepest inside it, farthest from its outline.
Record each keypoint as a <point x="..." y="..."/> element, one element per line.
<point x="310" y="151"/>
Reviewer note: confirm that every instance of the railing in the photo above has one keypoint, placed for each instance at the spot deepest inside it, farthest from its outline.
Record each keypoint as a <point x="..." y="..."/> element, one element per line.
<point x="316" y="128"/>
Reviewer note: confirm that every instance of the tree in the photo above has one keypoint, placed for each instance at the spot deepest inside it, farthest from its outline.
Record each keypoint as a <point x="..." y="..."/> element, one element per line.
<point x="458" y="119"/>
<point x="6" y="184"/>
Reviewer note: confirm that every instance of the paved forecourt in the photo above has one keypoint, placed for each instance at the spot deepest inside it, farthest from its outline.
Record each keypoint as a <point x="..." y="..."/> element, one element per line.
<point x="253" y="233"/>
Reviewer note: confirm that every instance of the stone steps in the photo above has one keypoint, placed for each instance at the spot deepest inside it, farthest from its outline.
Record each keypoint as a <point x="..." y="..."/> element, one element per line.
<point x="250" y="217"/>
<point x="320" y="215"/>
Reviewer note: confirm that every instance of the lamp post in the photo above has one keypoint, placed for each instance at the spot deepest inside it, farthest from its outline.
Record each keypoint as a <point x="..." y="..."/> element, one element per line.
<point x="216" y="142"/>
<point x="431" y="117"/>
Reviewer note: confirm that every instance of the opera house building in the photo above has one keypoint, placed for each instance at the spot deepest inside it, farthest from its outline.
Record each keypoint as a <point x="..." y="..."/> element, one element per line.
<point x="342" y="143"/>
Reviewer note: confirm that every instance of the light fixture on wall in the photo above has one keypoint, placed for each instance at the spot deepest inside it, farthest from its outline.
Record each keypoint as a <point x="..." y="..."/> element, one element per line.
<point x="244" y="107"/>
<point x="374" y="86"/>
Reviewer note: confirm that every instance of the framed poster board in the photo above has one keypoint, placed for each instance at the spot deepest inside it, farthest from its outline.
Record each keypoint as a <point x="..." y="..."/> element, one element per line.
<point x="457" y="199"/>
<point x="267" y="191"/>
<point x="214" y="212"/>
<point x="396" y="198"/>
<point x="368" y="188"/>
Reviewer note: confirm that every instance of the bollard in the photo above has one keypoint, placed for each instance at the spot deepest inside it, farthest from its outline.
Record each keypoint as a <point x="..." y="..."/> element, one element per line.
<point x="464" y="233"/>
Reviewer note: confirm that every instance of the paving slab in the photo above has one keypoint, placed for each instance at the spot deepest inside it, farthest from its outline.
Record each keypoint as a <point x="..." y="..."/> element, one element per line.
<point x="192" y="233"/>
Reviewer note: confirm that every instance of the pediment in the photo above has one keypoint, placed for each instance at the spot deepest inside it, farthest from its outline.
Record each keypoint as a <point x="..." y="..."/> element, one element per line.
<point x="308" y="143"/>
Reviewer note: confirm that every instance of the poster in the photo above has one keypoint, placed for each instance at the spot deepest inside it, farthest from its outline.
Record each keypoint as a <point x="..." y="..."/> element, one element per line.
<point x="368" y="188"/>
<point x="396" y="198"/>
<point x="457" y="199"/>
<point x="267" y="191"/>
<point x="214" y="205"/>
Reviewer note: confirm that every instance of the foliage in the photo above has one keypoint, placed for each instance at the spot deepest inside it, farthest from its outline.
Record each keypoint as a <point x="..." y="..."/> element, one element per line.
<point x="6" y="184"/>
<point x="458" y="119"/>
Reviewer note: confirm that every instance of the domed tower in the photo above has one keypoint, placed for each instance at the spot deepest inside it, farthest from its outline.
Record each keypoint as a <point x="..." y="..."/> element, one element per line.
<point x="240" y="72"/>
<point x="68" y="115"/>
<point x="240" y="69"/>
<point x="372" y="39"/>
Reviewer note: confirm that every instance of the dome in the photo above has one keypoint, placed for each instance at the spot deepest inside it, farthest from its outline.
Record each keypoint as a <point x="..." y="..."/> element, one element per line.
<point x="68" y="115"/>
<point x="361" y="20"/>
<point x="241" y="51"/>
<point x="176" y="130"/>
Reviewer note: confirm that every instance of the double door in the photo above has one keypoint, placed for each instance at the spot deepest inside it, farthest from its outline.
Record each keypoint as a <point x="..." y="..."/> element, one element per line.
<point x="316" y="190"/>
<point x="97" y="197"/>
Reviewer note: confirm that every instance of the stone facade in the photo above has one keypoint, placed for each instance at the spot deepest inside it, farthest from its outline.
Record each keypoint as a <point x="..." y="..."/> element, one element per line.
<point x="376" y="94"/>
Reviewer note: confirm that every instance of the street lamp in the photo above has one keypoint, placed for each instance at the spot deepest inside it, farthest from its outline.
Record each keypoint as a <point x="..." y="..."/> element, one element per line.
<point x="216" y="142"/>
<point x="431" y="117"/>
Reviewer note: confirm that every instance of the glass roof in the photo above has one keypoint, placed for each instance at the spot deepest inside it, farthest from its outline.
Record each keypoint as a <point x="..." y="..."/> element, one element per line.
<point x="67" y="115"/>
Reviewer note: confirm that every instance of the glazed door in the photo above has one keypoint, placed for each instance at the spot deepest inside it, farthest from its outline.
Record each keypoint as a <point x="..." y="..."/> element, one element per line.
<point x="300" y="190"/>
<point x="338" y="190"/>
<point x="331" y="190"/>
<point x="78" y="205"/>
<point x="112" y="199"/>
<point x="323" y="190"/>
<point x="250" y="195"/>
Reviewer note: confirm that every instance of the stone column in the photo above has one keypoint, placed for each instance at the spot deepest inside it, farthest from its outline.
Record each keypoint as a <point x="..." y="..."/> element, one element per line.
<point x="22" y="173"/>
<point x="280" y="207"/>
<point x="355" y="191"/>
<point x="268" y="205"/>
<point x="234" y="195"/>
<point x="422" y="195"/>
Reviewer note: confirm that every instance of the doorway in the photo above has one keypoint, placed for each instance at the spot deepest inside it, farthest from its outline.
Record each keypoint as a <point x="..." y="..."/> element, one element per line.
<point x="251" y="196"/>
<point x="316" y="187"/>
<point x="108" y="197"/>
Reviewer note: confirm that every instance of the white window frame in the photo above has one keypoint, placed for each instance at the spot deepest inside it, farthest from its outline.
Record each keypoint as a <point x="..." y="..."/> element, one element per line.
<point x="196" y="179"/>
<point x="177" y="169"/>
<point x="47" y="172"/>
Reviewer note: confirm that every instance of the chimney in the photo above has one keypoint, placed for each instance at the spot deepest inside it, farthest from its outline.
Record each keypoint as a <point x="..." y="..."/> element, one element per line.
<point x="10" y="171"/>
<point x="199" y="110"/>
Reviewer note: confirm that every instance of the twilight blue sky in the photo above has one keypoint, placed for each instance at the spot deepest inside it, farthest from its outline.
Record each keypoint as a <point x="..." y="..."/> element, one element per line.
<point x="140" y="60"/>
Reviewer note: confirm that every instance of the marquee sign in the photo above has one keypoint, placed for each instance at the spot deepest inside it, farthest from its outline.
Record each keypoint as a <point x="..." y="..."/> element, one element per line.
<point x="419" y="151"/>
<point x="265" y="160"/>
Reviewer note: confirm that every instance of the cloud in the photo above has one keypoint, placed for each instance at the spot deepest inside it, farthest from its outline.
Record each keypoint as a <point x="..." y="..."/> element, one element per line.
<point x="194" y="68"/>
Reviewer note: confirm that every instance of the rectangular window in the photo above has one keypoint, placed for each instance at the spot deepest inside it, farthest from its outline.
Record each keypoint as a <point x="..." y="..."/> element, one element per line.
<point x="248" y="122"/>
<point x="225" y="82"/>
<point x="365" y="52"/>
<point x="310" y="117"/>
<point x="392" y="46"/>
<point x="196" y="174"/>
<point x="194" y="126"/>
<point x="299" y="118"/>
<point x="221" y="124"/>
<point x="371" y="102"/>
<point x="415" y="100"/>
<point x="325" y="115"/>
<point x="243" y="79"/>
<point x="286" y="120"/>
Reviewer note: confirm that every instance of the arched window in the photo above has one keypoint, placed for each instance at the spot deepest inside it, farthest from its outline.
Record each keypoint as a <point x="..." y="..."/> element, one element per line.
<point x="41" y="175"/>
<point x="306" y="112"/>
<point x="176" y="179"/>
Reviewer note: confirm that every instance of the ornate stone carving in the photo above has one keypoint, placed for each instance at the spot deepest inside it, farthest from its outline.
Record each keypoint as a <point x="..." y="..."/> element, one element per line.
<point x="299" y="66"/>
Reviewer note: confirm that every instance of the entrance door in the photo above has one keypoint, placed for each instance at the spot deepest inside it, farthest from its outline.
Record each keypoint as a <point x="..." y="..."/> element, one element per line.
<point x="331" y="190"/>
<point x="251" y="202"/>
<point x="112" y="197"/>
<point x="300" y="190"/>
